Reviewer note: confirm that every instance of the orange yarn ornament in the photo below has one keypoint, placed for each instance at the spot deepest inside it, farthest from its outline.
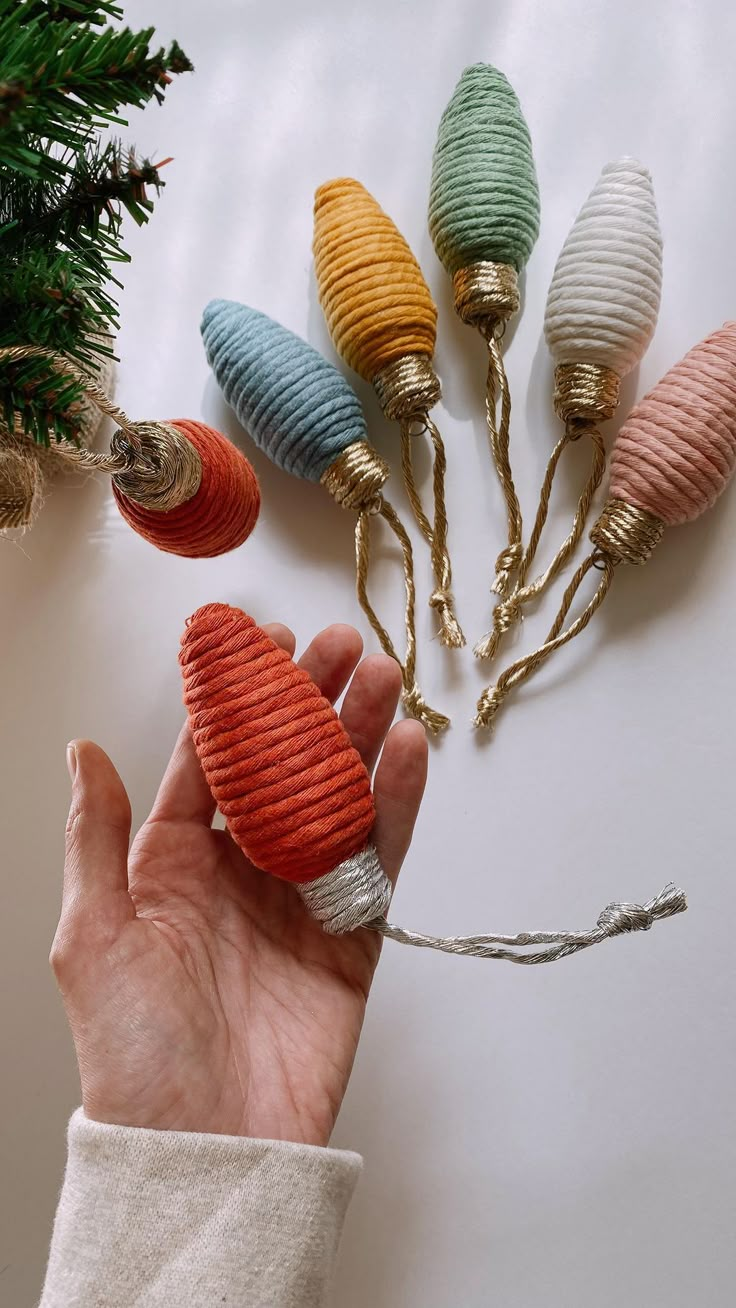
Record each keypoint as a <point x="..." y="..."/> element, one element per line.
<point x="383" y="322"/>
<point x="297" y="798"/>
<point x="220" y="515"/>
<point x="294" y="791"/>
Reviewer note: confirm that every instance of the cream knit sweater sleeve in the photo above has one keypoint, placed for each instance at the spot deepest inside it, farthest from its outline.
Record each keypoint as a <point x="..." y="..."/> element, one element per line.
<point x="149" y="1219"/>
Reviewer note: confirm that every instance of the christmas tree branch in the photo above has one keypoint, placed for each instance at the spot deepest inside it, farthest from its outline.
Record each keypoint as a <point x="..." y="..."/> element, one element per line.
<point x="60" y="80"/>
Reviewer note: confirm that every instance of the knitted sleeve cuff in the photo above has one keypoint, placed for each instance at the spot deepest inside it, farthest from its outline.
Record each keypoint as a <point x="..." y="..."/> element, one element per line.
<point x="153" y="1218"/>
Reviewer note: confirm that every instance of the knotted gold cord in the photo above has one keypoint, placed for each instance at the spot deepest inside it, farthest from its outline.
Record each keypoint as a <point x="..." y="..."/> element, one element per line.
<point x="355" y="479"/>
<point x="622" y="534"/>
<point x="486" y="296"/>
<point x="509" y="611"/>
<point x="407" y="389"/>
<point x="497" y="388"/>
<point x="152" y="462"/>
<point x="585" y="394"/>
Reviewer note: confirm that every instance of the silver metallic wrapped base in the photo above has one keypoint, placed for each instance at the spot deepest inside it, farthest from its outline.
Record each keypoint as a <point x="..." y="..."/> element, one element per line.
<point x="353" y="894"/>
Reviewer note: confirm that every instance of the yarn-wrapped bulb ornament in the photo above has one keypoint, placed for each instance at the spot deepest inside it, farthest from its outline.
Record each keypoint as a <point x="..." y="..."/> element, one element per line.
<point x="307" y="418"/>
<point x="673" y="457"/>
<point x="297" y="799"/>
<point x="601" y="313"/>
<point x="181" y="485"/>
<point x="484" y="221"/>
<point x="383" y="322"/>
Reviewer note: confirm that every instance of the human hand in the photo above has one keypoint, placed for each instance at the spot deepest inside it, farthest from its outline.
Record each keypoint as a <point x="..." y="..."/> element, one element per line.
<point x="200" y="993"/>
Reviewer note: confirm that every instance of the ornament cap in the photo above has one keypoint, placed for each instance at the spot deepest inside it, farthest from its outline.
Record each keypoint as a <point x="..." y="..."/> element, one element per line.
<point x="353" y="894"/>
<point x="626" y="533"/>
<point x="486" y="292"/>
<point x="588" y="392"/>
<point x="166" y="470"/>
<point x="356" y="477"/>
<point x="407" y="387"/>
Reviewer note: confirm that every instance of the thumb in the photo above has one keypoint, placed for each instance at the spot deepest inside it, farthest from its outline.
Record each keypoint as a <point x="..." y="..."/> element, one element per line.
<point x="95" y="903"/>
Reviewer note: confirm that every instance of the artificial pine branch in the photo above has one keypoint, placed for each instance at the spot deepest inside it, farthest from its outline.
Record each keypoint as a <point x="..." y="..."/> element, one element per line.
<point x="63" y="192"/>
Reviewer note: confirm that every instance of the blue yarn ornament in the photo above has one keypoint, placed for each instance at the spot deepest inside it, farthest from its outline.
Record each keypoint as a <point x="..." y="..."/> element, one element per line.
<point x="295" y="405"/>
<point x="307" y="418"/>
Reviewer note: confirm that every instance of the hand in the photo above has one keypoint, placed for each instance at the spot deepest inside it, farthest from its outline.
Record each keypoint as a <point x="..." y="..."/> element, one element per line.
<point x="200" y="994"/>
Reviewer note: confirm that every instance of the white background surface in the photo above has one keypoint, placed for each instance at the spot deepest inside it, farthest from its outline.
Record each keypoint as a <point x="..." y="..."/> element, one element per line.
<point x="559" y="1135"/>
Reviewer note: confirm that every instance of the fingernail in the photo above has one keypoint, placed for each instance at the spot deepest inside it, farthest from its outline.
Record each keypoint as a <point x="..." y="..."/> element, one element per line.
<point x="71" y="760"/>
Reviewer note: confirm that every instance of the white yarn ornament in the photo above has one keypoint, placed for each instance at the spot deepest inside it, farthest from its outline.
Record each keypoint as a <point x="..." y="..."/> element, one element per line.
<point x="604" y="296"/>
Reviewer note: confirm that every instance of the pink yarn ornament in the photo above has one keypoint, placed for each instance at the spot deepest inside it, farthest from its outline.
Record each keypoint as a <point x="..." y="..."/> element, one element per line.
<point x="673" y="457"/>
<point x="676" y="451"/>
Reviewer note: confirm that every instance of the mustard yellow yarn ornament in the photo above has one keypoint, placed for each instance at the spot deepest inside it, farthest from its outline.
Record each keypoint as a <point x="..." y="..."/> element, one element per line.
<point x="383" y="322"/>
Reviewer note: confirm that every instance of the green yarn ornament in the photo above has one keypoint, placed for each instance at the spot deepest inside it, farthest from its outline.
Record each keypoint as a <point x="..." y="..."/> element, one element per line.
<point x="484" y="198"/>
<point x="484" y="220"/>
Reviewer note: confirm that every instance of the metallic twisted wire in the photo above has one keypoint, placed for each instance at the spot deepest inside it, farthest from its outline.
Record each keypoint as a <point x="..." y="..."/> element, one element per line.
<point x="615" y="920"/>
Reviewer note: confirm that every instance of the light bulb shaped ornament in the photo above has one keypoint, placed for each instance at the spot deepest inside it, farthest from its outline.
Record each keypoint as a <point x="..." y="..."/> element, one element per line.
<point x="671" y="460"/>
<point x="181" y="485"/>
<point x="601" y="314"/>
<point x="305" y="416"/>
<point x="383" y="323"/>
<point x="297" y="798"/>
<point x="484" y="221"/>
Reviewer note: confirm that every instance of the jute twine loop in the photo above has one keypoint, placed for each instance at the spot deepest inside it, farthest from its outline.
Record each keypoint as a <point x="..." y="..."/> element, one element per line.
<point x="486" y="292"/>
<point x="407" y="387"/>
<point x="21" y="482"/>
<point x="625" y="533"/>
<point x="587" y="392"/>
<point x="151" y="462"/>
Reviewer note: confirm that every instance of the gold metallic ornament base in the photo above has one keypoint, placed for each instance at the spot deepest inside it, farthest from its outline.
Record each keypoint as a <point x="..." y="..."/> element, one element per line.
<point x="625" y="533"/>
<point x="167" y="470"/>
<point x="356" y="477"/>
<point x="587" y="392"/>
<point x="408" y="386"/>
<point x="486" y="292"/>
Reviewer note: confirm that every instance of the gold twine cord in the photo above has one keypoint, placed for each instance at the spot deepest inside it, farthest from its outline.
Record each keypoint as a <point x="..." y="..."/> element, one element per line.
<point x="407" y="389"/>
<point x="411" y="698"/>
<point x="354" y="479"/>
<point x="493" y="697"/>
<point x="509" y="611"/>
<point x="497" y="392"/>
<point x="152" y="462"/>
<point x="435" y="534"/>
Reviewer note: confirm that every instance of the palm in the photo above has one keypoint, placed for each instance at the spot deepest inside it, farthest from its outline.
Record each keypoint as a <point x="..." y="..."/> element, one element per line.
<point x="223" y="1006"/>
